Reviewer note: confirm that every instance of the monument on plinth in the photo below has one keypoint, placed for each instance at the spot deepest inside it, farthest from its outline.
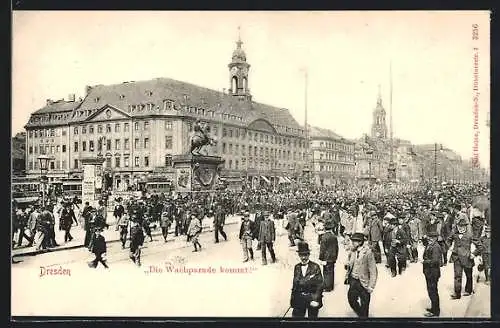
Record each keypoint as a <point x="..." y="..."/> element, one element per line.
<point x="92" y="179"/>
<point x="196" y="171"/>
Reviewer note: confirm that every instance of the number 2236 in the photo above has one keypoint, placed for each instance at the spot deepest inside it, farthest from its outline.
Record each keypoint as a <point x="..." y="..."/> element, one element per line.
<point x="475" y="32"/>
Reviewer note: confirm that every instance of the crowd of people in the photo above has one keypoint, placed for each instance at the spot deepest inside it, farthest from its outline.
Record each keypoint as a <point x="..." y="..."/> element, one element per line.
<point x="373" y="223"/>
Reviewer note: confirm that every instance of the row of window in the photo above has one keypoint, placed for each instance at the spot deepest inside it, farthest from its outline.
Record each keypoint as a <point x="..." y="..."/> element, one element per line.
<point x="337" y="167"/>
<point x="138" y="144"/>
<point x="45" y="133"/>
<point x="46" y="149"/>
<point x="138" y="126"/>
<point x="336" y="157"/>
<point x="261" y="151"/>
<point x="336" y="146"/>
<point x="257" y="164"/>
<point x="263" y="138"/>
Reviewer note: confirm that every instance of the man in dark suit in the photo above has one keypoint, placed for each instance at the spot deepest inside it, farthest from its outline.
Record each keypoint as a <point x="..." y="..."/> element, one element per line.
<point x="328" y="252"/>
<point x="219" y="221"/>
<point x="431" y="264"/>
<point x="307" y="289"/>
<point x="99" y="249"/>
<point x="267" y="236"/>
<point x="246" y="236"/>
<point x="462" y="258"/>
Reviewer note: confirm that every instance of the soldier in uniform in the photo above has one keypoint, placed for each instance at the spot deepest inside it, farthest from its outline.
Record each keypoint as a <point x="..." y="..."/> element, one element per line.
<point x="462" y="258"/>
<point x="361" y="275"/>
<point x="307" y="287"/>
<point x="328" y="253"/>
<point x="431" y="265"/>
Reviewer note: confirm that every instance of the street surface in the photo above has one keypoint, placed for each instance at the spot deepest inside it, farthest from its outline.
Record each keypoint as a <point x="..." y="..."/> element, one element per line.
<point x="227" y="287"/>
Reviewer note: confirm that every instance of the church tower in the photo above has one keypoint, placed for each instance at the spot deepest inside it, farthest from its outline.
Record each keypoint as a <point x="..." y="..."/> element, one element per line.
<point x="238" y="72"/>
<point x="379" y="127"/>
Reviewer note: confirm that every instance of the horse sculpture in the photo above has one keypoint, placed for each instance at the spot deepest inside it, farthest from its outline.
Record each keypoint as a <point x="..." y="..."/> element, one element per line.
<point x="201" y="138"/>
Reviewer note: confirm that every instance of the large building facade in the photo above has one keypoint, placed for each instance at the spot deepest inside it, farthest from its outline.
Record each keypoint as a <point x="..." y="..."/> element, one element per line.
<point x="138" y="126"/>
<point x="332" y="157"/>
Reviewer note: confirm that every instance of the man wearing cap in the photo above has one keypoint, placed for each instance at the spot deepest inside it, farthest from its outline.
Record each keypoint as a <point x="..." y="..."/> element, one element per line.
<point x="328" y="253"/>
<point x="267" y="236"/>
<point x="462" y="258"/>
<point x="307" y="287"/>
<point x="246" y="236"/>
<point x="361" y="275"/>
<point x="431" y="265"/>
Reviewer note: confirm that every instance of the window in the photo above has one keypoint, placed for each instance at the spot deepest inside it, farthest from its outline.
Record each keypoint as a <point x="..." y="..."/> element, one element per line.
<point x="31" y="150"/>
<point x="136" y="126"/>
<point x="64" y="166"/>
<point x="117" y="144"/>
<point x="237" y="150"/>
<point x="126" y="144"/>
<point x="36" y="149"/>
<point x="58" y="148"/>
<point x="126" y="127"/>
<point x="230" y="163"/>
<point x="236" y="164"/>
<point x="99" y="129"/>
<point x="75" y="130"/>
<point x="224" y="132"/>
<point x="146" y="125"/>
<point x="136" y="161"/>
<point x="117" y="127"/>
<point x="168" y="160"/>
<point x="99" y="145"/>
<point x="136" y="143"/>
<point x="146" y="161"/>
<point x="84" y="146"/>
<point x="108" y="128"/>
<point x="108" y="144"/>
<point x="91" y="145"/>
<point x="117" y="161"/>
<point x="223" y="147"/>
<point x="146" y="143"/>
<point x="76" y="147"/>
<point x="168" y="125"/>
<point x="230" y="148"/>
<point x="63" y="148"/>
<point x="243" y="150"/>
<point x="126" y="161"/>
<point x="108" y="161"/>
<point x="46" y="149"/>
<point x="230" y="133"/>
<point x="84" y="129"/>
<point x="75" y="164"/>
<point x="168" y="142"/>
<point x="91" y="129"/>
<point x="63" y="132"/>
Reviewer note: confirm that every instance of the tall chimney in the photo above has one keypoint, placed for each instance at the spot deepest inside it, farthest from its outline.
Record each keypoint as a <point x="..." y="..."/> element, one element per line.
<point x="49" y="102"/>
<point x="71" y="97"/>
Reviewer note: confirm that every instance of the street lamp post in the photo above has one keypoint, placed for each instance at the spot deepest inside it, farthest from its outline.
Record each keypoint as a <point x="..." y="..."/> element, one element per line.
<point x="435" y="158"/>
<point x="44" y="168"/>
<point x="369" y="152"/>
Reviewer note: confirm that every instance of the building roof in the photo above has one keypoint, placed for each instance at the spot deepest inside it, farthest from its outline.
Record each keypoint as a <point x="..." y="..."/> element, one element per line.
<point x="124" y="95"/>
<point x="53" y="113"/>
<point x="320" y="133"/>
<point x="58" y="106"/>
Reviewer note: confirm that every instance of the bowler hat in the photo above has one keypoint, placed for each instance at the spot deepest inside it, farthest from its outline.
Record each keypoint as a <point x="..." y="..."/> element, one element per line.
<point x="358" y="236"/>
<point x="303" y="248"/>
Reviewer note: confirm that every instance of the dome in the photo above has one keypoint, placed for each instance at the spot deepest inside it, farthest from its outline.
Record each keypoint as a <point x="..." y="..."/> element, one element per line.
<point x="238" y="53"/>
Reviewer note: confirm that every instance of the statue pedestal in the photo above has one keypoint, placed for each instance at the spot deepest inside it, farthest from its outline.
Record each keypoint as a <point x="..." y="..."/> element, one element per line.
<point x="92" y="179"/>
<point x="196" y="172"/>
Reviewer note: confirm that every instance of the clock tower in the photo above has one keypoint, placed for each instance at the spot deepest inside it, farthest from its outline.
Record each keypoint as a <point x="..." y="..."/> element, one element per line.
<point x="379" y="127"/>
<point x="238" y="72"/>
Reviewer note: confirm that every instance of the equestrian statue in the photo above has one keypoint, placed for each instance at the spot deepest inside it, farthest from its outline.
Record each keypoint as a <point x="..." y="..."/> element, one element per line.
<point x="201" y="138"/>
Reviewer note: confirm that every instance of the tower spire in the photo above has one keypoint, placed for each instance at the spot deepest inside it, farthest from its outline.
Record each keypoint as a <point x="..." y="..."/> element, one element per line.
<point x="379" y="96"/>
<point x="239" y="42"/>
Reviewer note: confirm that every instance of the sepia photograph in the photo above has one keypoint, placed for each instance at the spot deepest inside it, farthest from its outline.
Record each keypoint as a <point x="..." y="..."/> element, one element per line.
<point x="286" y="164"/>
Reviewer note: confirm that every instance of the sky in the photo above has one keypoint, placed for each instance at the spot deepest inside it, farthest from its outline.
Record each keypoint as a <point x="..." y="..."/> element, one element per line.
<point x="347" y="56"/>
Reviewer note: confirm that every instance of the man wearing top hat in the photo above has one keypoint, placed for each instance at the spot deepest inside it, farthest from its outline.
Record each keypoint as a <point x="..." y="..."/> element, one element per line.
<point x="431" y="265"/>
<point x="307" y="288"/>
<point x="361" y="275"/>
<point x="328" y="253"/>
<point x="462" y="258"/>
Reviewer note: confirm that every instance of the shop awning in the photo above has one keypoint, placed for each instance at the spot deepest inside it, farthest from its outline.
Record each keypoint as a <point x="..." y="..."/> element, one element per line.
<point x="265" y="179"/>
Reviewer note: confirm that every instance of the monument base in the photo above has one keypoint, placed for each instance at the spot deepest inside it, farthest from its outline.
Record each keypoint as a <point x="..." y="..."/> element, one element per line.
<point x="196" y="172"/>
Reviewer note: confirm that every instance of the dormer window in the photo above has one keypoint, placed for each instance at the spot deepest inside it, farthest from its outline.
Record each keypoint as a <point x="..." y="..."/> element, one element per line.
<point x="122" y="97"/>
<point x="149" y="93"/>
<point x="97" y="99"/>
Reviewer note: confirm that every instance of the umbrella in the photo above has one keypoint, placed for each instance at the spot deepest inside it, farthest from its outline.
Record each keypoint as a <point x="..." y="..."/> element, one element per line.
<point x="481" y="203"/>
